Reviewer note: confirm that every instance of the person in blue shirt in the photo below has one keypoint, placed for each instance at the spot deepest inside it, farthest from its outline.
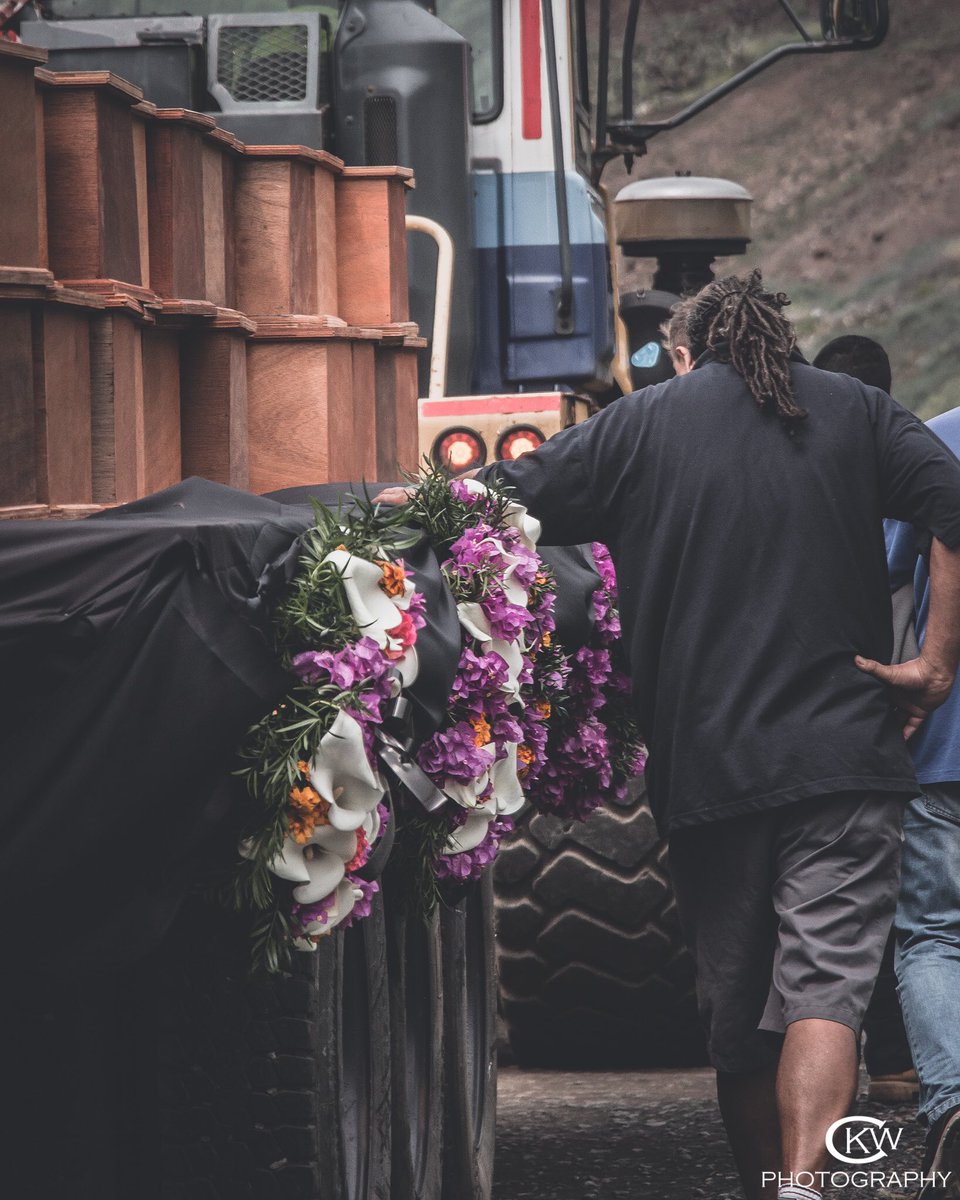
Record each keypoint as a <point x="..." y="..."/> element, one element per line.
<point x="892" y="1078"/>
<point x="928" y="914"/>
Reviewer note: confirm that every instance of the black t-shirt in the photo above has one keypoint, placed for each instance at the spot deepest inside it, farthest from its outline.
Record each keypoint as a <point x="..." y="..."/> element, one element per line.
<point x="751" y="570"/>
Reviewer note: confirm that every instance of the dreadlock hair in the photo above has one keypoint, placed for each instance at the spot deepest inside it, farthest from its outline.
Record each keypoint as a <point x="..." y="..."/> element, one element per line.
<point x="743" y="324"/>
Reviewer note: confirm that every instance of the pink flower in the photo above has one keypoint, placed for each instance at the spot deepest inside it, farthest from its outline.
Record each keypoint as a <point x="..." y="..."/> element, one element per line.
<point x="404" y="632"/>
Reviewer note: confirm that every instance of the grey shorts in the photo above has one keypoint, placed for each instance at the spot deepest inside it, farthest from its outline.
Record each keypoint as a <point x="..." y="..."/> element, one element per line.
<point x="787" y="912"/>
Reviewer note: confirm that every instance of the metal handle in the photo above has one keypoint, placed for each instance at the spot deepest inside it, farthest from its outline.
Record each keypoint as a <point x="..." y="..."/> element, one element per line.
<point x="440" y="342"/>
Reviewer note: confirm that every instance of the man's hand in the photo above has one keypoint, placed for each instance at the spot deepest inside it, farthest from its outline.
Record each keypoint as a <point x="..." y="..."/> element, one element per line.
<point x="395" y="495"/>
<point x="917" y="686"/>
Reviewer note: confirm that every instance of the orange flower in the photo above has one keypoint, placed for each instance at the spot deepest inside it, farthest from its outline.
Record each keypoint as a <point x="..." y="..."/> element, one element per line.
<point x="304" y="768"/>
<point x="481" y="729"/>
<point x="525" y="755"/>
<point x="544" y="709"/>
<point x="393" y="578"/>
<point x="305" y="798"/>
<point x="302" y="826"/>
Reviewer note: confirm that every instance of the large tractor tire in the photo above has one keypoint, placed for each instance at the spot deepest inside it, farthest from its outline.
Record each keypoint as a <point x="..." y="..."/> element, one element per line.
<point x="469" y="1044"/>
<point x="276" y="1089"/>
<point x="416" y="1035"/>
<point x="593" y="970"/>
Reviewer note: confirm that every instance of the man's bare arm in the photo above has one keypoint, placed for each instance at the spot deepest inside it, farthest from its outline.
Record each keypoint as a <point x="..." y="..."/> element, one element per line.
<point x="400" y="495"/>
<point x="921" y="685"/>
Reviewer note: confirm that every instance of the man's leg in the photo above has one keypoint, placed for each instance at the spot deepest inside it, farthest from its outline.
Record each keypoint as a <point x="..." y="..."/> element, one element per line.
<point x="816" y="1084"/>
<point x="748" y="1105"/>
<point x="928" y="961"/>
<point x="838" y="859"/>
<point x="723" y="877"/>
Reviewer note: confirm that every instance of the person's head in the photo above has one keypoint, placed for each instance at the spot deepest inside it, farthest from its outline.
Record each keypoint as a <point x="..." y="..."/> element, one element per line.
<point x="676" y="341"/>
<point x="743" y="324"/>
<point x="861" y="357"/>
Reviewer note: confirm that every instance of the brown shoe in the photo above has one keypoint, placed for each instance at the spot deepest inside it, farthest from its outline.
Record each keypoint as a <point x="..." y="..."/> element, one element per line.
<point x="943" y="1159"/>
<point x="894" y="1089"/>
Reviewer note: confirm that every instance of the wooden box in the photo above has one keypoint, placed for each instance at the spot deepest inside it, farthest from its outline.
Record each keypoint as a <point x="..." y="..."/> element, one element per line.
<point x="398" y="445"/>
<point x="366" y="430"/>
<point x="46" y="448"/>
<point x="300" y="406"/>
<point x="372" y="245"/>
<point x="285" y="222"/>
<point x="135" y="368"/>
<point x="190" y="189"/>
<point x="23" y="232"/>
<point x="96" y="185"/>
<point x="161" y="407"/>
<point x="213" y="401"/>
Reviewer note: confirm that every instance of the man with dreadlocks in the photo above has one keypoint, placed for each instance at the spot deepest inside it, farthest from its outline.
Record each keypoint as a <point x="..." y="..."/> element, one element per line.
<point x="742" y="503"/>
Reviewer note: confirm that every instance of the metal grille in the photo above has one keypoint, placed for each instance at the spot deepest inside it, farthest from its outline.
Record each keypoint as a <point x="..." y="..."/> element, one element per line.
<point x="380" y="131"/>
<point x="263" y="63"/>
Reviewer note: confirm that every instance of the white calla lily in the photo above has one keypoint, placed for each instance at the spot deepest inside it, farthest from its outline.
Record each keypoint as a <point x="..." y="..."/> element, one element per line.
<point x="514" y="591"/>
<point x="467" y="795"/>
<point x="470" y="834"/>
<point x="506" y="783"/>
<point x="345" y="897"/>
<point x="474" y="621"/>
<point x="341" y="773"/>
<point x="374" y="611"/>
<point x="324" y="858"/>
<point x="289" y="863"/>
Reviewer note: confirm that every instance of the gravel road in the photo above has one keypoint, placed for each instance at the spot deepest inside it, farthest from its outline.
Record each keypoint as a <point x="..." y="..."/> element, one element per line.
<point x="638" y="1135"/>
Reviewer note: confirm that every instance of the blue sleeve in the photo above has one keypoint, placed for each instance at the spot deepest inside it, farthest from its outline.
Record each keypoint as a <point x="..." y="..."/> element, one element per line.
<point x="901" y="552"/>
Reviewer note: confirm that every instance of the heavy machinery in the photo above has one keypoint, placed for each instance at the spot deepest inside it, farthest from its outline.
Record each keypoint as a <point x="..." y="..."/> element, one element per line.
<point x="501" y="108"/>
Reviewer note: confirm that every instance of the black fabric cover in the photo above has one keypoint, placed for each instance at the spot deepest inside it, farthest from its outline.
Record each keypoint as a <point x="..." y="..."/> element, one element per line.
<point x="134" y="654"/>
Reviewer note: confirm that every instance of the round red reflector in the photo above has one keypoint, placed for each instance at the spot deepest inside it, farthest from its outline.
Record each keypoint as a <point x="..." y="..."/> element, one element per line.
<point x="459" y="450"/>
<point x="519" y="440"/>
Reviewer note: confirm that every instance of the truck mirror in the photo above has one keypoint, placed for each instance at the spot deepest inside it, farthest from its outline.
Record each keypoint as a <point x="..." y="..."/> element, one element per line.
<point x="854" y="20"/>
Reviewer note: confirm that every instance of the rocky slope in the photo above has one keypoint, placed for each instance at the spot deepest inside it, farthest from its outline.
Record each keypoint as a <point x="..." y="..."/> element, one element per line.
<point x="854" y="164"/>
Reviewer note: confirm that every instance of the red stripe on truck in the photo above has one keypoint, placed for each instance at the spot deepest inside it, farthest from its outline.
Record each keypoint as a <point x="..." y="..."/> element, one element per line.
<point x="490" y="404"/>
<point x="532" y="125"/>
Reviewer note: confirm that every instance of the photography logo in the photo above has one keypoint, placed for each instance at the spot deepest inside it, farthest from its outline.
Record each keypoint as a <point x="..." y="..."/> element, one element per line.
<point x="861" y="1140"/>
<point x="860" y="1143"/>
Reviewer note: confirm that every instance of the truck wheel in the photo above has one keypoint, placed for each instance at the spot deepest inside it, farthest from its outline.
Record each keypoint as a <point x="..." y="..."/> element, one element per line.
<point x="469" y="1044"/>
<point x="416" y="1032"/>
<point x="357" y="1023"/>
<point x="593" y="970"/>
<point x="279" y="1088"/>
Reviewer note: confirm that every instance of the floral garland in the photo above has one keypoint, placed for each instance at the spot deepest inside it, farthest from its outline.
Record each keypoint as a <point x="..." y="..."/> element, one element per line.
<point x="527" y="720"/>
<point x="487" y="545"/>
<point x="583" y="730"/>
<point x="347" y="631"/>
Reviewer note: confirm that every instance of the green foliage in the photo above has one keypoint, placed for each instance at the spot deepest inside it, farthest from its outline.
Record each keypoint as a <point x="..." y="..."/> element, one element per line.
<point x="313" y="615"/>
<point x="443" y="517"/>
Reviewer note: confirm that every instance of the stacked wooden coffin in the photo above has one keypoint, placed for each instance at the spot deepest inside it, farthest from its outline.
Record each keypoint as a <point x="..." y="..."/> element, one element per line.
<point x="175" y="303"/>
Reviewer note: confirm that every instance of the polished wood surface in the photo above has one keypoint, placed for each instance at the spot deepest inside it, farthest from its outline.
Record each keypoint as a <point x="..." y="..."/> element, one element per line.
<point x="174" y="303"/>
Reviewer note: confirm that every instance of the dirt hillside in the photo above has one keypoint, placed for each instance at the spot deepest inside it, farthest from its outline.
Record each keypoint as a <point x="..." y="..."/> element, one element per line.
<point x="854" y="164"/>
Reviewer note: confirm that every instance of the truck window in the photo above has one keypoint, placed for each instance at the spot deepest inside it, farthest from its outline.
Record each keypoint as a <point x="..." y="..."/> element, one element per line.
<point x="479" y="22"/>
